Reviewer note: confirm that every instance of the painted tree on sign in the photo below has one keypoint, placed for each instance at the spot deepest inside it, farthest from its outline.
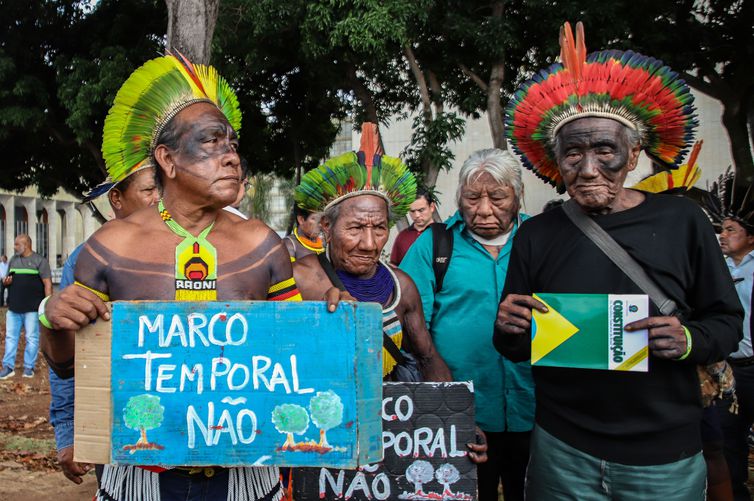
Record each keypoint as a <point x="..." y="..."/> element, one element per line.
<point x="447" y="474"/>
<point x="290" y="419"/>
<point x="143" y="412"/>
<point x="327" y="413"/>
<point x="419" y="473"/>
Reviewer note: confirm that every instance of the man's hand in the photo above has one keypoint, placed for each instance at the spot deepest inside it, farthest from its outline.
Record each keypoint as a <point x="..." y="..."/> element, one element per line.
<point x="74" y="308"/>
<point x="333" y="296"/>
<point x="667" y="338"/>
<point x="8" y="280"/>
<point x="478" y="450"/>
<point x="514" y="313"/>
<point x="72" y="470"/>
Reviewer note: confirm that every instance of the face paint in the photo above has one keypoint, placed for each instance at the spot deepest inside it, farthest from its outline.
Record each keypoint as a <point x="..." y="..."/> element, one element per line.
<point x="203" y="141"/>
<point x="594" y="158"/>
<point x="206" y="161"/>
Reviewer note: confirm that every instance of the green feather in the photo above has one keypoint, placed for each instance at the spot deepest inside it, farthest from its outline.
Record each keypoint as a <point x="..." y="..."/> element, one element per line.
<point x="152" y="92"/>
<point x="342" y="175"/>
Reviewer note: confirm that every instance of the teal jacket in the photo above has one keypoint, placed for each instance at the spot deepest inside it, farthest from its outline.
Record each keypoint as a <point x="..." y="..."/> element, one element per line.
<point x="461" y="320"/>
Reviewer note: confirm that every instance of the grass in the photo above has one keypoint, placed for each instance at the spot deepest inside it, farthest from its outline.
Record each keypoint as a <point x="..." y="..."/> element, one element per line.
<point x="10" y="442"/>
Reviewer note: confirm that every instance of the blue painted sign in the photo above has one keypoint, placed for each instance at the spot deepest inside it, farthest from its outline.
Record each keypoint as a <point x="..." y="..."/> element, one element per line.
<point x="246" y="383"/>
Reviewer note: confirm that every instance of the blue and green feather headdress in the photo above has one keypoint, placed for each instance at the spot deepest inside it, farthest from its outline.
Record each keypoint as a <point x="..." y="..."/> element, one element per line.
<point x="367" y="172"/>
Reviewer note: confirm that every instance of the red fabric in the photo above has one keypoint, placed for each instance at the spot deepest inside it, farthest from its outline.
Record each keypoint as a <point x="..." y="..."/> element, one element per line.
<point x="403" y="241"/>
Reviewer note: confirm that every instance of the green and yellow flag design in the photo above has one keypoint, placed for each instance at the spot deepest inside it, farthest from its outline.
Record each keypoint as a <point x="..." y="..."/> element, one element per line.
<point x="587" y="331"/>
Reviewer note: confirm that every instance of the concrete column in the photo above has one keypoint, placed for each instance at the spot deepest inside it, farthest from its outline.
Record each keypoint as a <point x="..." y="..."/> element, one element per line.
<point x="10" y="225"/>
<point x="7" y="203"/>
<point x="69" y="238"/>
<point x="90" y="224"/>
<point x="52" y="232"/>
<point x="30" y="204"/>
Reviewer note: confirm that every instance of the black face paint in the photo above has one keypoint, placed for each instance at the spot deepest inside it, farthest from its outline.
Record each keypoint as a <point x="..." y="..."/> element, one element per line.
<point x="201" y="141"/>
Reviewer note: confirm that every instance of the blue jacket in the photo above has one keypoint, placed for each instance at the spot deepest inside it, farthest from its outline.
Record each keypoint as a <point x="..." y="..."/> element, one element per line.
<point x="461" y="319"/>
<point x="61" y="390"/>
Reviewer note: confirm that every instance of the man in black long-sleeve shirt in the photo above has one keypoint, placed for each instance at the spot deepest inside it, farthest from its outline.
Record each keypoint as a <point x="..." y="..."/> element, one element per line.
<point x="615" y="434"/>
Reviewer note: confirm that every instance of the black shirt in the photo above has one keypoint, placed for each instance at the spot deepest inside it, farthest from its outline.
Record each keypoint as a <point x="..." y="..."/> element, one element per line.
<point x="27" y="290"/>
<point x="629" y="417"/>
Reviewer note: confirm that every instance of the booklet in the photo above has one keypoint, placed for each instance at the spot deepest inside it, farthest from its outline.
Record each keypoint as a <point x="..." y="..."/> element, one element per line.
<point x="586" y="331"/>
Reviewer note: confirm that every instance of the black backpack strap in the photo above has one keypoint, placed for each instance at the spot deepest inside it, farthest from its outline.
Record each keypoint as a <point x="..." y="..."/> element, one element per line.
<point x="330" y="271"/>
<point x="392" y="348"/>
<point x="442" y="250"/>
<point x="387" y="343"/>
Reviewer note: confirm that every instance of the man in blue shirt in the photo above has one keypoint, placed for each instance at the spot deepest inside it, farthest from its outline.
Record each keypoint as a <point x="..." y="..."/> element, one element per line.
<point x="136" y="191"/>
<point x="737" y="243"/>
<point x="461" y="315"/>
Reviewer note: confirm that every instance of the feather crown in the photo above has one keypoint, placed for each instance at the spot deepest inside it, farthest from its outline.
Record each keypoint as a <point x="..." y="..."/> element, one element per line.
<point x="366" y="172"/>
<point x="636" y="90"/>
<point x="147" y="101"/>
<point x="727" y="199"/>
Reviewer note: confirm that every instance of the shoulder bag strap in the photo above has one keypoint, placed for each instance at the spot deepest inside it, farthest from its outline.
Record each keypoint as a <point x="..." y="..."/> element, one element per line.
<point x="387" y="343"/>
<point x="620" y="257"/>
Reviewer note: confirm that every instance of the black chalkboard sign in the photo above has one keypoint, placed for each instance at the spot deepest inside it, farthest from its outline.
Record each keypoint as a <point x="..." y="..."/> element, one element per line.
<point x="426" y="427"/>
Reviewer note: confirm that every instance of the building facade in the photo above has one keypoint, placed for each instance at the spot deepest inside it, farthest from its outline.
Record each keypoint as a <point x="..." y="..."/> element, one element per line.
<point x="56" y="225"/>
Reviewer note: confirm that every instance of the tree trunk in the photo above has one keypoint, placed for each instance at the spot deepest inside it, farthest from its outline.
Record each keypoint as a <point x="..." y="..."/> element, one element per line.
<point x="429" y="170"/>
<point x="143" y="438"/>
<point x="289" y="442"/>
<point x="191" y="24"/>
<point x="323" y="439"/>
<point x="735" y="121"/>
<point x="494" y="95"/>
<point x="495" y="107"/>
<point x="363" y="94"/>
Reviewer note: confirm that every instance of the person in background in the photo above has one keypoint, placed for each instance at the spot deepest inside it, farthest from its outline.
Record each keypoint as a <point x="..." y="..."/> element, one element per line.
<point x="134" y="191"/>
<point x="305" y="238"/>
<point x="731" y="209"/>
<point x="29" y="281"/>
<point x="3" y="274"/>
<point x="461" y="312"/>
<point x="422" y="211"/>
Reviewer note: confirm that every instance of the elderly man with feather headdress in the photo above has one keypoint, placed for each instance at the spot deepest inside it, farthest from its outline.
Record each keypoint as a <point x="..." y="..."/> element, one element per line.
<point x="184" y="119"/>
<point x="581" y="125"/>
<point x="360" y="195"/>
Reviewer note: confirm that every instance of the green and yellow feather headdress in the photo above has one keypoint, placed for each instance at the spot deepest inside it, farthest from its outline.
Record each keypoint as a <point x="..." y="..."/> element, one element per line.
<point x="367" y="172"/>
<point x="154" y="94"/>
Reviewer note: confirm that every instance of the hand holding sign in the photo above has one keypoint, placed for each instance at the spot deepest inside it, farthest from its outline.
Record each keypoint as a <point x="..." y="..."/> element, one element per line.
<point x="74" y="308"/>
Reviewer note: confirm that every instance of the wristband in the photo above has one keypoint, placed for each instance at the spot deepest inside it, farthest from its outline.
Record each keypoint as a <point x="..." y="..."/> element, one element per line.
<point x="688" y="344"/>
<point x="41" y="314"/>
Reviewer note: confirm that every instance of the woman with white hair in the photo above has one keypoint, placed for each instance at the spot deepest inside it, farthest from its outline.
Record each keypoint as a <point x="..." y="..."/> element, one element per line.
<point x="460" y="308"/>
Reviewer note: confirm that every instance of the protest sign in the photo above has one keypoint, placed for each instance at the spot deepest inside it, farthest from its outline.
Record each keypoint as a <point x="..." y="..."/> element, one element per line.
<point x="426" y="427"/>
<point x="230" y="383"/>
<point x="586" y="331"/>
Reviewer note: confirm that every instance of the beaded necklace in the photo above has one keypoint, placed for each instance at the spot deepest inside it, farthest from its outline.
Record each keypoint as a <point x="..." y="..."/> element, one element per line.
<point x="195" y="262"/>
<point x="312" y="245"/>
<point x="376" y="289"/>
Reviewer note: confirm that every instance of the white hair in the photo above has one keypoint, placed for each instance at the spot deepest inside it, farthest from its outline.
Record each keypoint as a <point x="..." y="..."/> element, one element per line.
<point x="500" y="164"/>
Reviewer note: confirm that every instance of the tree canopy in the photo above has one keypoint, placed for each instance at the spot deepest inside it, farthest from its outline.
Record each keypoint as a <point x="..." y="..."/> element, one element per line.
<point x="61" y="62"/>
<point x="300" y="66"/>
